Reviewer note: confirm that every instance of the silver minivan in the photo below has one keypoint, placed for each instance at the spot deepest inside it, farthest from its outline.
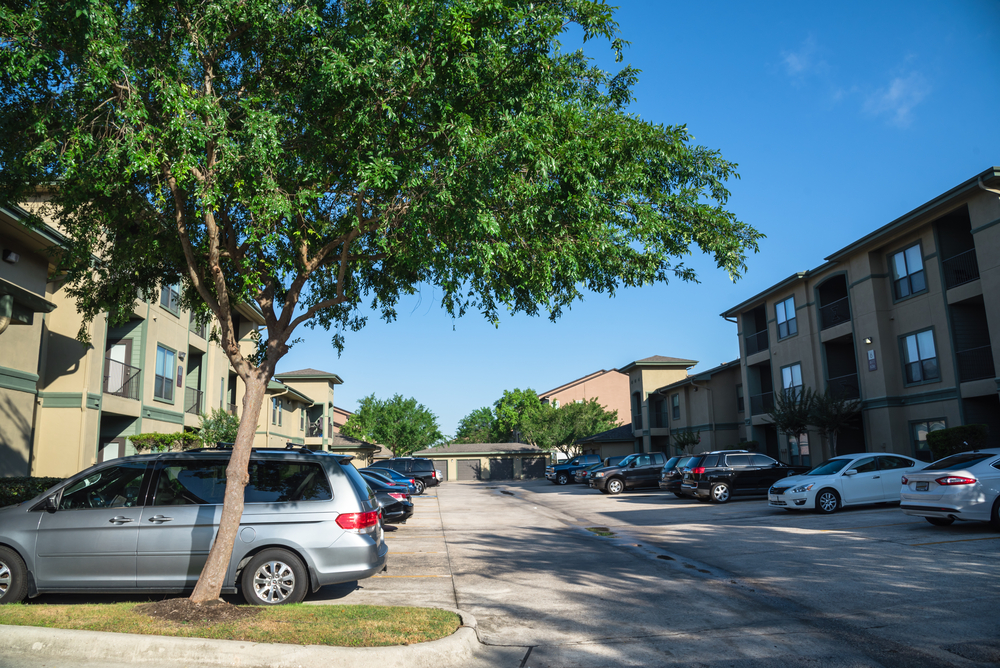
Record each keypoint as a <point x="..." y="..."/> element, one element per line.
<point x="146" y="524"/>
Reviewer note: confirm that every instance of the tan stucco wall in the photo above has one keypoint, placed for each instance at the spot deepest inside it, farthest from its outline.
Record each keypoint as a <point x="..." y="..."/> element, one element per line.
<point x="610" y="388"/>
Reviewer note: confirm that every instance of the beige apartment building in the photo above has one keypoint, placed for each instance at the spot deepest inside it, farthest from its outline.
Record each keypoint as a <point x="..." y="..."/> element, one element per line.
<point x="709" y="403"/>
<point x="609" y="388"/>
<point x="904" y="319"/>
<point x="647" y="409"/>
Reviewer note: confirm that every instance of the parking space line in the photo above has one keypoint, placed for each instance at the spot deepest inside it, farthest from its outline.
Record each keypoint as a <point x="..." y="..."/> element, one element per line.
<point x="397" y="552"/>
<point x="960" y="540"/>
<point x="411" y="576"/>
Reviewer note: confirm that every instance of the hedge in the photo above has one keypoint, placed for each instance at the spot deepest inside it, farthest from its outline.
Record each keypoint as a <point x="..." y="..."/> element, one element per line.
<point x="23" y="488"/>
<point x="182" y="440"/>
<point x="944" y="442"/>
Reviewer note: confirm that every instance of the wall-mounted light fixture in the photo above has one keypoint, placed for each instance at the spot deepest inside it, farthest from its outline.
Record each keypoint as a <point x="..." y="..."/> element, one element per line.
<point x="868" y="340"/>
<point x="181" y="356"/>
<point x="10" y="256"/>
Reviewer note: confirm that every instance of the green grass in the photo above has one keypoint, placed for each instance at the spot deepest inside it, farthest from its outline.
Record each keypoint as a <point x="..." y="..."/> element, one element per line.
<point x="340" y="625"/>
<point x="601" y="531"/>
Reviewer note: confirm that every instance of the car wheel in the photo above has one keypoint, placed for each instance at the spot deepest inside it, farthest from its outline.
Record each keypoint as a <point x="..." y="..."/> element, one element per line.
<point x="941" y="521"/>
<point x="419" y="484"/>
<point x="13" y="577"/>
<point x="720" y="492"/>
<point x="615" y="486"/>
<point x="562" y="479"/>
<point x="274" y="577"/>
<point x="827" y="501"/>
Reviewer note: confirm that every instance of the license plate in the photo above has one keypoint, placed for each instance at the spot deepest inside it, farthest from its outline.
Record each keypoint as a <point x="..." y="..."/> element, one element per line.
<point x="922" y="486"/>
<point x="772" y="497"/>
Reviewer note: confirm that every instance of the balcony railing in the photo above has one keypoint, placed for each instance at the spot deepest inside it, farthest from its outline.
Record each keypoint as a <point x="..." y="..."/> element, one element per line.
<point x="193" y="400"/>
<point x="756" y="342"/>
<point x="975" y="363"/>
<point x="834" y="313"/>
<point x="845" y="387"/>
<point x="315" y="429"/>
<point x="761" y="404"/>
<point x="121" y="380"/>
<point x="961" y="268"/>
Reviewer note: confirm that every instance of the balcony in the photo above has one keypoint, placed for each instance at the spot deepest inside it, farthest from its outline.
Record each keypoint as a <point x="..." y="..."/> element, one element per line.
<point x="756" y="342"/>
<point x="315" y="429"/>
<point x="844" y="387"/>
<point x="198" y="327"/>
<point x="961" y="268"/>
<point x="975" y="363"/>
<point x="193" y="401"/>
<point x="834" y="313"/>
<point x="121" y="380"/>
<point x="761" y="404"/>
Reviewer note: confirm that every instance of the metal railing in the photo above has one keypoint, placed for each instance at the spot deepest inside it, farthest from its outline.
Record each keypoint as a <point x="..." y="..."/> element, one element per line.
<point x="193" y="400"/>
<point x="961" y="268"/>
<point x="756" y="342"/>
<point x="975" y="363"/>
<point x="761" y="404"/>
<point x="834" y="313"/>
<point x="315" y="429"/>
<point x="121" y="380"/>
<point x="845" y="387"/>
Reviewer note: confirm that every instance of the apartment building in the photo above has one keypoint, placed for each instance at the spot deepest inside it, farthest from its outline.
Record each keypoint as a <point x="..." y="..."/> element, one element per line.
<point x="709" y="403"/>
<point x="609" y="387"/>
<point x="904" y="319"/>
<point x="647" y="409"/>
<point x="311" y="392"/>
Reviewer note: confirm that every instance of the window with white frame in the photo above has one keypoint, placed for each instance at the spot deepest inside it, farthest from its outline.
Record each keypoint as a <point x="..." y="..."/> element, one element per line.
<point x="163" y="385"/>
<point x="785" y="312"/>
<point x="791" y="381"/>
<point x="908" y="272"/>
<point x="302" y="419"/>
<point x="920" y="357"/>
<point x="276" y="411"/>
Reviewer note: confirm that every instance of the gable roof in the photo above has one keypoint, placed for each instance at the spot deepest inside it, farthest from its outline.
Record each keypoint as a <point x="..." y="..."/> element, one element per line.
<point x="704" y="375"/>
<point x="577" y="382"/>
<point x="659" y="361"/>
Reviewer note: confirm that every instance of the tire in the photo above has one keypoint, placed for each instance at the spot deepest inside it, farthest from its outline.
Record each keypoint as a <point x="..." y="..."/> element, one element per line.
<point x="615" y="486"/>
<point x="562" y="479"/>
<point x="827" y="501"/>
<point x="13" y="577"/>
<point x="720" y="493"/>
<point x="943" y="521"/>
<point x="419" y="484"/>
<point x="274" y="577"/>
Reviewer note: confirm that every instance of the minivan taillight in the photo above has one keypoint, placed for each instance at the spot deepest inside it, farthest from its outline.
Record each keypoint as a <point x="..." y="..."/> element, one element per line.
<point x="358" y="522"/>
<point x="955" y="480"/>
<point x="698" y="470"/>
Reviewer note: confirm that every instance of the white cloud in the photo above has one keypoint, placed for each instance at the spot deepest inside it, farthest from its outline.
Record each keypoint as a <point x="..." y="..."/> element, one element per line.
<point x="802" y="61"/>
<point x="898" y="98"/>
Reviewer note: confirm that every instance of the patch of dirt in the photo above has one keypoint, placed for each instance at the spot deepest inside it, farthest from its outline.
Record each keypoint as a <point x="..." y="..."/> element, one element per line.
<point x="186" y="611"/>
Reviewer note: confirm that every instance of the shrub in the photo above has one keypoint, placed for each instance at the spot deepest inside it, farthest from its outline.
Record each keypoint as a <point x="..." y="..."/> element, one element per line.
<point x="748" y="445"/>
<point x="946" y="442"/>
<point x="16" y="490"/>
<point x="182" y="440"/>
<point x="218" y="427"/>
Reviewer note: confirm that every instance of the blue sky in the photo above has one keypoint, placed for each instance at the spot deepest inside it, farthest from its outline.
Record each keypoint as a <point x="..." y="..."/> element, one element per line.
<point x="842" y="117"/>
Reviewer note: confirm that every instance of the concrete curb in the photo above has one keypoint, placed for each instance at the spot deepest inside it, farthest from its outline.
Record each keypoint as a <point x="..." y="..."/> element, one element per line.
<point x="95" y="646"/>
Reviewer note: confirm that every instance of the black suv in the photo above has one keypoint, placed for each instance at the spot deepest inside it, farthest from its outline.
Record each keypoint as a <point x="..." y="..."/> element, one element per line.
<point x="561" y="474"/>
<point x="420" y="469"/>
<point x="724" y="473"/>
<point x="673" y="473"/>
<point x="641" y="469"/>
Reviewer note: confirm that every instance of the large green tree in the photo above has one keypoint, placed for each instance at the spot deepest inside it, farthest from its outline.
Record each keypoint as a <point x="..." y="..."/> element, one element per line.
<point x="511" y="411"/>
<point x="560" y="428"/>
<point x="479" y="426"/>
<point x="402" y="425"/>
<point x="311" y="157"/>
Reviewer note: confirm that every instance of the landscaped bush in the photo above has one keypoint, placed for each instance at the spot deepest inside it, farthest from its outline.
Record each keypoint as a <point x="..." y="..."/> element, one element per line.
<point x="944" y="442"/>
<point x="16" y="490"/>
<point x="182" y="440"/>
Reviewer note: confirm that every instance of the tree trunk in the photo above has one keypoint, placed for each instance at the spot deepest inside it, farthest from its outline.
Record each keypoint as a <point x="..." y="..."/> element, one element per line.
<point x="212" y="576"/>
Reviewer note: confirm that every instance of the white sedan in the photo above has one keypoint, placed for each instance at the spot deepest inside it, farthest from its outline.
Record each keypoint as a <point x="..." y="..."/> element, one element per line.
<point x="965" y="486"/>
<point x="846" y="480"/>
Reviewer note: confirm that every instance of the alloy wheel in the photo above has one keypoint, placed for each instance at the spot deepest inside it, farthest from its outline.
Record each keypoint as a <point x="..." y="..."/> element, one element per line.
<point x="273" y="582"/>
<point x="827" y="501"/>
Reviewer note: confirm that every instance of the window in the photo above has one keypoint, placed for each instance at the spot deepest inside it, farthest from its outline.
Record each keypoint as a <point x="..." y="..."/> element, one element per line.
<point x="302" y="419"/>
<point x="791" y="381"/>
<point x="920" y="357"/>
<point x="112" y="487"/>
<point x="798" y="449"/>
<point x="170" y="298"/>
<point x="762" y="461"/>
<point x="866" y="465"/>
<point x="675" y="406"/>
<point x="276" y="411"/>
<point x="888" y="462"/>
<point x="739" y="398"/>
<point x="907" y="272"/>
<point x="921" y="450"/>
<point x="786" y="318"/>
<point x="222" y="395"/>
<point x="163" y="386"/>
<point x="742" y="461"/>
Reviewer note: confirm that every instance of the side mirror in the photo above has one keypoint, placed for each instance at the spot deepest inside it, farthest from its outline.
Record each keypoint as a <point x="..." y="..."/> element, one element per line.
<point x="52" y="503"/>
<point x="851" y="472"/>
<point x="633" y="463"/>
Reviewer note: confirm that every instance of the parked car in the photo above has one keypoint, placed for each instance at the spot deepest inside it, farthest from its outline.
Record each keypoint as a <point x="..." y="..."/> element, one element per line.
<point x="146" y="524"/>
<point x="846" y="480"/>
<point x="580" y="475"/>
<point x="672" y="474"/>
<point x="392" y="476"/>
<point x="562" y="474"/>
<point x="420" y="469"/>
<point x="395" y="501"/>
<point x="637" y="470"/>
<point x="964" y="486"/>
<point x="724" y="473"/>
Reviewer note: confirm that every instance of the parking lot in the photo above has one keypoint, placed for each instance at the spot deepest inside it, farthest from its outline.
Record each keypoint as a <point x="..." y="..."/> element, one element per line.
<point x="678" y="582"/>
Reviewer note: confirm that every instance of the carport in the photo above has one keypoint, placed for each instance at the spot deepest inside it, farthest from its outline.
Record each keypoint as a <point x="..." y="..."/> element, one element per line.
<point x="487" y="461"/>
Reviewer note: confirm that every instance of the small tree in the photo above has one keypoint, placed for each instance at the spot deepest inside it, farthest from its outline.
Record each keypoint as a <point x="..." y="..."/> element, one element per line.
<point x="218" y="426"/>
<point x="792" y="412"/>
<point x="832" y="414"/>
<point x="402" y="425"/>
<point x="685" y="441"/>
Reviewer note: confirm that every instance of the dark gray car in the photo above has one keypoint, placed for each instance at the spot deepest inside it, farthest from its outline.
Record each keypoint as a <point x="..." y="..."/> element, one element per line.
<point x="146" y="524"/>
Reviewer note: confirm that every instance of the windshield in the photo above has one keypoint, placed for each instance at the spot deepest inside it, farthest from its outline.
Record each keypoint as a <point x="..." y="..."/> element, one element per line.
<point x="625" y="462"/>
<point x="959" y="461"/>
<point x="829" y="467"/>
